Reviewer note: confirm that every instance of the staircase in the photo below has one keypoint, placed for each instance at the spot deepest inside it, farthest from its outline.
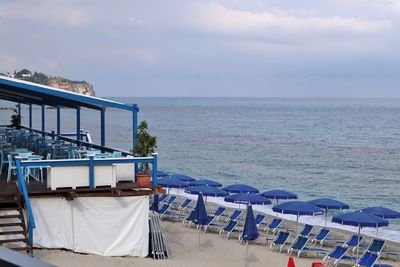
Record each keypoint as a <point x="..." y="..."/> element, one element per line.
<point x="13" y="230"/>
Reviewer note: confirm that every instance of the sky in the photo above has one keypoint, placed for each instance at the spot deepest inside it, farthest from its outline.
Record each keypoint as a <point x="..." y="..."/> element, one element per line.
<point x="239" y="48"/>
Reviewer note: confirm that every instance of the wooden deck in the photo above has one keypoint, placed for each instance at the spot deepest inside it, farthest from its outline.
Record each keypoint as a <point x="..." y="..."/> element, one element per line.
<point x="38" y="189"/>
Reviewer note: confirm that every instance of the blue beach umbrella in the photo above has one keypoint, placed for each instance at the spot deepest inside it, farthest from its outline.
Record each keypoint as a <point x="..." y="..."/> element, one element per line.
<point x="155" y="204"/>
<point x="298" y="208"/>
<point x="205" y="182"/>
<point x="206" y="191"/>
<point x="200" y="213"/>
<point x="240" y="188"/>
<point x="329" y="203"/>
<point x="360" y="219"/>
<point x="172" y="183"/>
<point x="159" y="173"/>
<point x="248" y="198"/>
<point x="382" y="212"/>
<point x="279" y="194"/>
<point x="250" y="231"/>
<point x="182" y="177"/>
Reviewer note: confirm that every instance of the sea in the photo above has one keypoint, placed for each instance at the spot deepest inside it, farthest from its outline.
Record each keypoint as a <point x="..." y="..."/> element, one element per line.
<point x="348" y="149"/>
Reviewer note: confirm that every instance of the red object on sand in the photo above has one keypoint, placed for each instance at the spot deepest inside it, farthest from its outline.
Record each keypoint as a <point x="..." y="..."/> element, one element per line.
<point x="318" y="264"/>
<point x="291" y="262"/>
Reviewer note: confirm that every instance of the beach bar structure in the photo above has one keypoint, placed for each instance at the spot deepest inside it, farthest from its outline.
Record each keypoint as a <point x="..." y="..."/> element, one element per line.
<point x="59" y="191"/>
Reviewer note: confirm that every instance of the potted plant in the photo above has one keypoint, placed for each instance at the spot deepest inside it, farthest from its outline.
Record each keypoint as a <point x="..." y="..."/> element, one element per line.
<point x="144" y="147"/>
<point x="16" y="120"/>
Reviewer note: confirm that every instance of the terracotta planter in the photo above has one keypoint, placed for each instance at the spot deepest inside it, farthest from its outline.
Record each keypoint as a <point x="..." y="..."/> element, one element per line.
<point x="143" y="180"/>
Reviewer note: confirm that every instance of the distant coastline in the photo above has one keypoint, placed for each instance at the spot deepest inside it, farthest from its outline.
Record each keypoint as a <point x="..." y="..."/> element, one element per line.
<point x="81" y="87"/>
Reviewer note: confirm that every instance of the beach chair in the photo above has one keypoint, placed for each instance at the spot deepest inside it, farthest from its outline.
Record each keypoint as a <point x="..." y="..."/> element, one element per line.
<point x="376" y="246"/>
<point x="218" y="212"/>
<point x="300" y="245"/>
<point x="321" y="237"/>
<point x="229" y="228"/>
<point x="280" y="240"/>
<point x="306" y="230"/>
<point x="189" y="219"/>
<point x="213" y="219"/>
<point x="234" y="216"/>
<point x="171" y="200"/>
<point x="337" y="254"/>
<point x="273" y="225"/>
<point x="353" y="242"/>
<point x="162" y="198"/>
<point x="165" y="212"/>
<point x="259" y="220"/>
<point x="185" y="205"/>
<point x="367" y="259"/>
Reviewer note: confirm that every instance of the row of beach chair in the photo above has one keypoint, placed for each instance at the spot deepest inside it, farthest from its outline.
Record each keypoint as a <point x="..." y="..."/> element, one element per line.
<point x="304" y="241"/>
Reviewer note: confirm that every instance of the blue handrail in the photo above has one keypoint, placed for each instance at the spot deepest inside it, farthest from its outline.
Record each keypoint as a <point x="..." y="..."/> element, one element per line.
<point x="22" y="188"/>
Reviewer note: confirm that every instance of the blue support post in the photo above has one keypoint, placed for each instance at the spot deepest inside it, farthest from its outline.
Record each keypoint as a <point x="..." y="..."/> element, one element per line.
<point x="135" y="110"/>
<point x="58" y="120"/>
<point x="30" y="116"/>
<point x="78" y="123"/>
<point x="19" y="109"/>
<point x="91" y="172"/>
<point x="155" y="181"/>
<point x="103" y="126"/>
<point x="43" y="118"/>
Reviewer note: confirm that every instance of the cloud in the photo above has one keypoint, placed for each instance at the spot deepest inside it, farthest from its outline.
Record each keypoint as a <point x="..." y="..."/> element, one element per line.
<point x="216" y="18"/>
<point x="51" y="12"/>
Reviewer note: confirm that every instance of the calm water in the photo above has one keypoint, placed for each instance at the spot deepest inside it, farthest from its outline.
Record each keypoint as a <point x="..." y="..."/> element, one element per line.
<point x="348" y="149"/>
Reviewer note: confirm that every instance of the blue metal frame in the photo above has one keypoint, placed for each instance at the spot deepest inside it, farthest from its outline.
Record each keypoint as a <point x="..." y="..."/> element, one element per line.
<point x="30" y="116"/>
<point x="43" y="118"/>
<point x="19" y="109"/>
<point x="103" y="126"/>
<point x="58" y="120"/>
<point x="78" y="122"/>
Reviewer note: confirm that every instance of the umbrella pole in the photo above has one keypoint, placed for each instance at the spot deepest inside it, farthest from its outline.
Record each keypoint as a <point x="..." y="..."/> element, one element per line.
<point x="199" y="238"/>
<point x="246" y="257"/>
<point x="326" y="216"/>
<point x="358" y="243"/>
<point x="297" y="221"/>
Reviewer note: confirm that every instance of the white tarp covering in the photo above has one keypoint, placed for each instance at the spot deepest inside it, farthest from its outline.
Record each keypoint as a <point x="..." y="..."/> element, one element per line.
<point x="107" y="226"/>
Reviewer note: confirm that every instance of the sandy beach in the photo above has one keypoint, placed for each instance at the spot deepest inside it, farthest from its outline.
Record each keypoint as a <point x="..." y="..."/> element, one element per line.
<point x="184" y="250"/>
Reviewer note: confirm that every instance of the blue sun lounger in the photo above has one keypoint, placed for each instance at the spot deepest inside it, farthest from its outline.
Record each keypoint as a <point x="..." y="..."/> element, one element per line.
<point x="234" y="216"/>
<point x="280" y="240"/>
<point x="300" y="245"/>
<point x="367" y="259"/>
<point x="213" y="219"/>
<point x="259" y="220"/>
<point x="306" y="230"/>
<point x="185" y="205"/>
<point x="321" y="237"/>
<point x="171" y="200"/>
<point x="229" y="228"/>
<point x="353" y="242"/>
<point x="162" y="198"/>
<point x="274" y="225"/>
<point x="376" y="246"/>
<point x="189" y="219"/>
<point x="165" y="212"/>
<point x="337" y="254"/>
